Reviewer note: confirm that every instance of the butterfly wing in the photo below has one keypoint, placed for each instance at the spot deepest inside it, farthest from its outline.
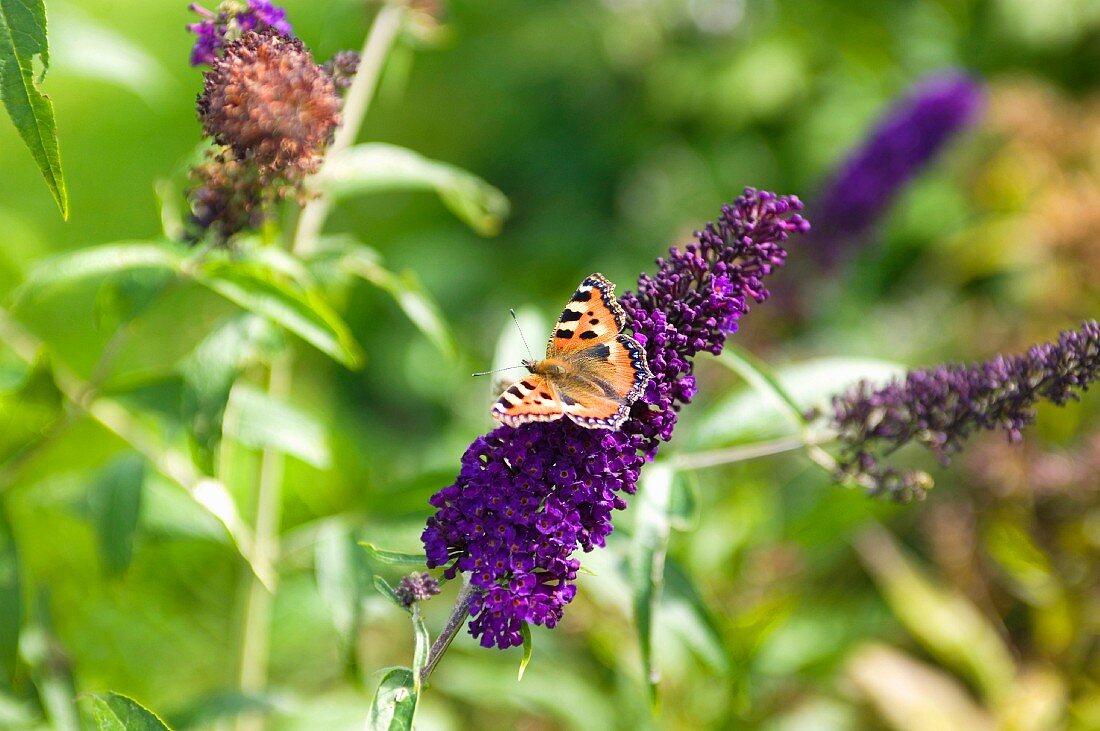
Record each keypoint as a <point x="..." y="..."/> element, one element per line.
<point x="531" y="399"/>
<point x="605" y="380"/>
<point x="592" y="316"/>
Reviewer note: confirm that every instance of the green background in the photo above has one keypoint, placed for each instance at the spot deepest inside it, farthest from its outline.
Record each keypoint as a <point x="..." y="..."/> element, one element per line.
<point x="615" y="128"/>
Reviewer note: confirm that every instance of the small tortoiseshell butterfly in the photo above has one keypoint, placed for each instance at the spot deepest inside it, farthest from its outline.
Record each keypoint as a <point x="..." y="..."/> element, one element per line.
<point x="592" y="372"/>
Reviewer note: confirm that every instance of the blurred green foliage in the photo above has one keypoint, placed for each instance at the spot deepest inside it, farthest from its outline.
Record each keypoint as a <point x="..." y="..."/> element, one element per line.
<point x="614" y="128"/>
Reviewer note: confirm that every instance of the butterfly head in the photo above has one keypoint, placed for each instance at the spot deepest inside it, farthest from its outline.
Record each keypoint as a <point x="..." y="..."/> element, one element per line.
<point x="548" y="367"/>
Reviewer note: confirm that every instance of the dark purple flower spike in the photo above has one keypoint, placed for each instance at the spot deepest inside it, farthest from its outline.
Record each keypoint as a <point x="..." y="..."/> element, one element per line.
<point x="528" y="497"/>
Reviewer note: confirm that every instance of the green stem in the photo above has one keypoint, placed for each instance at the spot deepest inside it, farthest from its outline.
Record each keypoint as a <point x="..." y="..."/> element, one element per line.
<point x="260" y="602"/>
<point x="740" y="453"/>
<point x="372" y="58"/>
<point x="256" y="632"/>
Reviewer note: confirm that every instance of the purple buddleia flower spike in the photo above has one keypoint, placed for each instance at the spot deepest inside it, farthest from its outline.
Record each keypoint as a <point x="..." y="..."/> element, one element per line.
<point x="232" y="20"/>
<point x="904" y="141"/>
<point x="528" y="497"/>
<point x="940" y="407"/>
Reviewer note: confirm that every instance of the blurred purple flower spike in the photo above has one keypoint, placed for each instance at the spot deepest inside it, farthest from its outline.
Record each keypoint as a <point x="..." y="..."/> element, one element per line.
<point x="941" y="407"/>
<point x="905" y="140"/>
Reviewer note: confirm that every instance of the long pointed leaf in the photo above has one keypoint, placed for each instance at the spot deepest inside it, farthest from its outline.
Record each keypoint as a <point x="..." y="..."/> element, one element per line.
<point x="114" y="712"/>
<point x="11" y="600"/>
<point x="116" y="503"/>
<point x="376" y="167"/>
<point x="422" y="644"/>
<point x="394" y="704"/>
<point x="647" y="565"/>
<point x="22" y="41"/>
<point x="304" y="314"/>
<point x="358" y="260"/>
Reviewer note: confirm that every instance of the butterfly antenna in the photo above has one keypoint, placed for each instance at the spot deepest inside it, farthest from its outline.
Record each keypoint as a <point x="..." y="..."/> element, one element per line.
<point x="516" y="320"/>
<point x="496" y="370"/>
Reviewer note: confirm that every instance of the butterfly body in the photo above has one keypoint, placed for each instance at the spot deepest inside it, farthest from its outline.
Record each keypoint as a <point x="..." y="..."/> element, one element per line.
<point x="592" y="372"/>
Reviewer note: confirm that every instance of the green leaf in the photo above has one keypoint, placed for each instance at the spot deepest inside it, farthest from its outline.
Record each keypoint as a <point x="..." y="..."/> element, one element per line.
<point x="394" y="558"/>
<point x="114" y="712"/>
<point x="210" y="371"/>
<point x="647" y="560"/>
<point x="394" y="704"/>
<point x="383" y="587"/>
<point x="262" y="421"/>
<point x="116" y="505"/>
<point x="776" y="401"/>
<point x="123" y="298"/>
<point x="377" y="167"/>
<point x="260" y="290"/>
<point x="687" y="616"/>
<point x="528" y="650"/>
<point x="53" y="680"/>
<point x="30" y="403"/>
<point x="406" y="289"/>
<point x="11" y="600"/>
<point x="422" y="645"/>
<point x="22" y="41"/>
<point x="761" y="377"/>
<point x="340" y="570"/>
<point x="97" y="261"/>
<point x="207" y="710"/>
<point x="949" y="626"/>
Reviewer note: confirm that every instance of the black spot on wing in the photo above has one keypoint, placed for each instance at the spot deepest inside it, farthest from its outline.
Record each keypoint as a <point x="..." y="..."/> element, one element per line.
<point x="581" y="295"/>
<point x="515" y="392"/>
<point x="569" y="316"/>
<point x="594" y="321"/>
<point x="600" y="352"/>
<point x="559" y="333"/>
<point x="588" y="335"/>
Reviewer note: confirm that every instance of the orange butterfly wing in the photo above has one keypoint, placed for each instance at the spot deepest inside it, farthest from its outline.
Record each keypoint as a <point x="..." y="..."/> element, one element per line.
<point x="592" y="316"/>
<point x="606" y="370"/>
<point x="607" y="379"/>
<point x="531" y="399"/>
<point x="609" y="369"/>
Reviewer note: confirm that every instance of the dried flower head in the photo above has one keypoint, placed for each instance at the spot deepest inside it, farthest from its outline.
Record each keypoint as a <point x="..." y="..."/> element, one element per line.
<point x="528" y="497"/>
<point x="416" y="588"/>
<point x="232" y="20"/>
<point x="229" y="196"/>
<point x="268" y="101"/>
<point x="940" y="407"/>
<point x="342" y="68"/>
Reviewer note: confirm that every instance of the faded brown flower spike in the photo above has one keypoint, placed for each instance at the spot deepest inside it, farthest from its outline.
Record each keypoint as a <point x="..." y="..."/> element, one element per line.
<point x="268" y="101"/>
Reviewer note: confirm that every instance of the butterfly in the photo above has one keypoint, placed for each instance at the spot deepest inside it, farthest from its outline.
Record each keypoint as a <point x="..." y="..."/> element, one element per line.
<point x="592" y="372"/>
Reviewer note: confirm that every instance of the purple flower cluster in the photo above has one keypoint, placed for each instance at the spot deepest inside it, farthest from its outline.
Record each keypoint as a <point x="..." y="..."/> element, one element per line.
<point x="415" y="587"/>
<point x="905" y="140"/>
<point x="940" y="407"/>
<point x="232" y="21"/>
<point x="528" y="497"/>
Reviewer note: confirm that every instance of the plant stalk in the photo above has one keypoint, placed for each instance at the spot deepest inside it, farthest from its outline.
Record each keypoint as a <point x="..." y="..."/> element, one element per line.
<point x="256" y="636"/>
<point x="450" y="630"/>
<point x="372" y="58"/>
<point x="256" y="632"/>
